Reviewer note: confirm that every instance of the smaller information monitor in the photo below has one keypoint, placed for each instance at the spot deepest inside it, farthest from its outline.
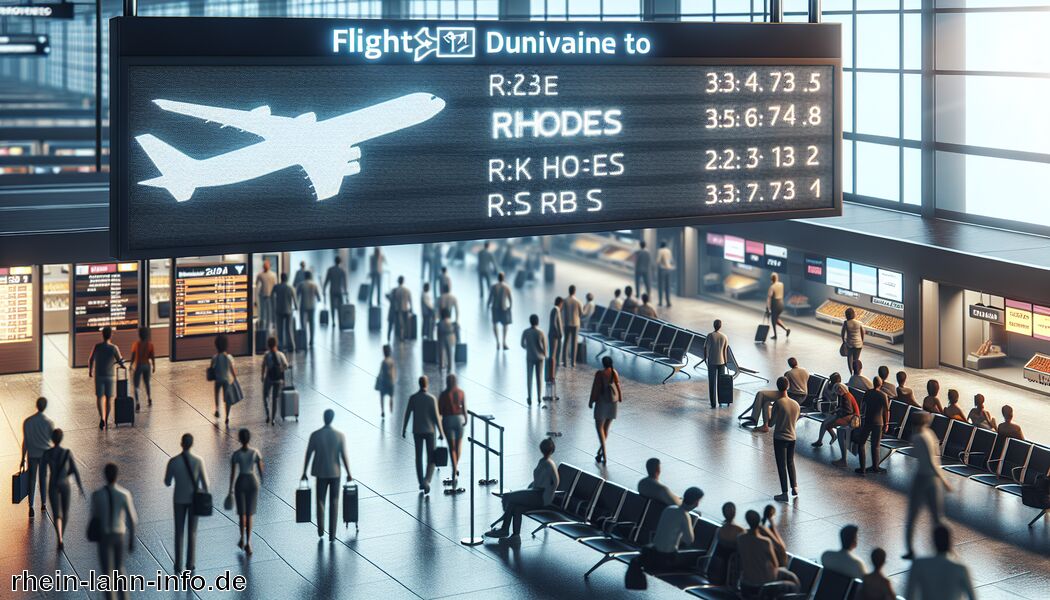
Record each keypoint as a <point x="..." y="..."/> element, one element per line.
<point x="19" y="320"/>
<point x="106" y="295"/>
<point x="211" y="299"/>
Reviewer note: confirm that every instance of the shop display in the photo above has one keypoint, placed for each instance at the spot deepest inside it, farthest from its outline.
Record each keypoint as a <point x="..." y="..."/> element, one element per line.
<point x="797" y="303"/>
<point x="882" y="325"/>
<point x="1038" y="369"/>
<point x="105" y="295"/>
<point x="56" y="295"/>
<point x="16" y="305"/>
<point x="211" y="299"/>
<point x="1018" y="317"/>
<point x="586" y="246"/>
<point x="738" y="285"/>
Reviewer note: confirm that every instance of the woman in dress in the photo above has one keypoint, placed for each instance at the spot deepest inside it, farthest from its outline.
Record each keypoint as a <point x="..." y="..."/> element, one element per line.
<point x="246" y="469"/>
<point x="225" y="374"/>
<point x="775" y="304"/>
<point x="452" y="405"/>
<point x="852" y="335"/>
<point x="60" y="464"/>
<point x="605" y="396"/>
<point x="385" y="380"/>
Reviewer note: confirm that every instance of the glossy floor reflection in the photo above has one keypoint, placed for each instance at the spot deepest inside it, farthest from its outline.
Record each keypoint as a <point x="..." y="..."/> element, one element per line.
<point x="408" y="546"/>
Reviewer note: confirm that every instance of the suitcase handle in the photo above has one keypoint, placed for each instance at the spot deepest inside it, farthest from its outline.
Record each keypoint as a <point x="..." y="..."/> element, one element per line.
<point x="304" y="483"/>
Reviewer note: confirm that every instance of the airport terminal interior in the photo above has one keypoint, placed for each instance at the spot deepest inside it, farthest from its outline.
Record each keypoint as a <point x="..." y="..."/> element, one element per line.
<point x="790" y="259"/>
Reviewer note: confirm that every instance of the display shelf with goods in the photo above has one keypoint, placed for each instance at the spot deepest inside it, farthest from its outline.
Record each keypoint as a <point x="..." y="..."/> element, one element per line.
<point x="1037" y="370"/>
<point x="613" y="250"/>
<point x="56" y="299"/>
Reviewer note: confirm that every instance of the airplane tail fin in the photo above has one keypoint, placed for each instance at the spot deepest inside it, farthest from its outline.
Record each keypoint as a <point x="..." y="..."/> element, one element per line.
<point x="176" y="169"/>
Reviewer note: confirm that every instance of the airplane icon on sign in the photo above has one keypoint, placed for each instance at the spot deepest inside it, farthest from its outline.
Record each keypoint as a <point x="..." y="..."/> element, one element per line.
<point x="326" y="150"/>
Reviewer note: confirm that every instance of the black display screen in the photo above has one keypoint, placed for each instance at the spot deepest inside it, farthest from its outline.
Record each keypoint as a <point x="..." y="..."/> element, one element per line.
<point x="389" y="146"/>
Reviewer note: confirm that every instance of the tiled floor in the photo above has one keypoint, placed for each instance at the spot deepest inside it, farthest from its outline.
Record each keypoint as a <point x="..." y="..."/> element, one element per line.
<point x="408" y="546"/>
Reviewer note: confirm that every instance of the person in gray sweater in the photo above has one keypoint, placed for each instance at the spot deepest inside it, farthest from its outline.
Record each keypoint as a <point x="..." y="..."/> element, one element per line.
<point x="785" y="414"/>
<point x="651" y="487"/>
<point x="540" y="493"/>
<point x="535" y="345"/>
<point x="422" y="409"/>
<point x="36" y="439"/>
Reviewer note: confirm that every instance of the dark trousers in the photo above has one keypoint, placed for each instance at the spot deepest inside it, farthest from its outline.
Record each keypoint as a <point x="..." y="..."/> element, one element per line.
<point x="713" y="371"/>
<point x="306" y="321"/>
<point x="111" y="558"/>
<point x="484" y="282"/>
<point x="424" y="443"/>
<point x="428" y="324"/>
<point x="663" y="285"/>
<point x="873" y="431"/>
<point x="286" y="331"/>
<point x="784" y="451"/>
<point x="852" y="354"/>
<point x="639" y="279"/>
<point x="185" y="526"/>
<point x="568" y="347"/>
<point x="517" y="503"/>
<point x="327" y="486"/>
<point x="36" y="474"/>
<point x="377" y="288"/>
<point x="334" y="304"/>
<point x="553" y="345"/>
<point x="534" y="368"/>
<point x="446" y="353"/>
<point x="272" y="392"/>
<point x="143" y="374"/>
<point x="59" y="494"/>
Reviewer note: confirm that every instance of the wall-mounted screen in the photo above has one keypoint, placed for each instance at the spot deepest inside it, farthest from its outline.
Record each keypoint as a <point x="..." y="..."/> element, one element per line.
<point x="210" y="299"/>
<point x="1018" y="317"/>
<point x="891" y="285"/>
<point x="1041" y="322"/>
<point x="838" y="273"/>
<point x="816" y="268"/>
<point x="105" y="295"/>
<point x="19" y="319"/>
<point x="865" y="280"/>
<point x="754" y="253"/>
<point x="734" y="248"/>
<point x="776" y="258"/>
<point x="320" y="133"/>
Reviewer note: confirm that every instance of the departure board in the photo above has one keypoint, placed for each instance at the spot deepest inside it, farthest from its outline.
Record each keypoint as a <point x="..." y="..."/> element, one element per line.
<point x="16" y="305"/>
<point x="105" y="295"/>
<point x="210" y="299"/>
<point x="398" y="132"/>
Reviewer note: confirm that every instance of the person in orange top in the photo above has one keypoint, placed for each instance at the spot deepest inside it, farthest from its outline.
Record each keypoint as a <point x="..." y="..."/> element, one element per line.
<point x="452" y="406"/>
<point x="605" y="396"/>
<point x="143" y="364"/>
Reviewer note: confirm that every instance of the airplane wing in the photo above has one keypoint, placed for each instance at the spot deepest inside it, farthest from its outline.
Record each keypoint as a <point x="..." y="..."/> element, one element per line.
<point x="258" y="120"/>
<point x="327" y="169"/>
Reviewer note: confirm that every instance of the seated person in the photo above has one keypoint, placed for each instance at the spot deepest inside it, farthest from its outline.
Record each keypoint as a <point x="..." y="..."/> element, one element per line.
<point x="767" y="528"/>
<point x="904" y="393"/>
<point x="718" y="566"/>
<point x="980" y="417"/>
<point x="729" y="530"/>
<point x="844" y="561"/>
<point x="759" y="564"/>
<point x="931" y="403"/>
<point x="1009" y="429"/>
<point x="829" y="398"/>
<point x="875" y="585"/>
<point x="763" y="405"/>
<point x="953" y="410"/>
<point x="887" y="387"/>
<point x="651" y="487"/>
<point x="539" y="494"/>
<point x="857" y="380"/>
<point x="674" y="528"/>
<point x="846" y="407"/>
<point x="798" y="380"/>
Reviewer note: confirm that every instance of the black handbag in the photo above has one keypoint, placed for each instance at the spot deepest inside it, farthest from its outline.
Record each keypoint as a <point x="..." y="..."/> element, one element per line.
<point x="202" y="505"/>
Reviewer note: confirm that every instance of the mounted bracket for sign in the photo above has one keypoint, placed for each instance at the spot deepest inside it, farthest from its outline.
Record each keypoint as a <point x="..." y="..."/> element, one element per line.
<point x="278" y="134"/>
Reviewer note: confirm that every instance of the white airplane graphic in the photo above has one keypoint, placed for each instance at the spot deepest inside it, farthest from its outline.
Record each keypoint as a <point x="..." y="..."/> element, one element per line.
<point x="326" y="150"/>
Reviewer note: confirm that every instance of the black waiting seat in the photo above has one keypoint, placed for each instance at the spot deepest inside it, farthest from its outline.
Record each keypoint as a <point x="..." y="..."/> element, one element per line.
<point x="807" y="571"/>
<point x="677" y="354"/>
<point x="622" y="541"/>
<point x="604" y="326"/>
<point x="1038" y="466"/>
<point x="577" y="505"/>
<point x="642" y="345"/>
<point x="705" y="533"/>
<point x="631" y="332"/>
<point x="1015" y="454"/>
<point x="939" y="425"/>
<point x="632" y="337"/>
<point x="833" y="586"/>
<point x="1038" y="497"/>
<point x="974" y="461"/>
<point x="899" y="435"/>
<point x="594" y="321"/>
<point x="622" y="527"/>
<point x="606" y="509"/>
<point x="813" y="405"/>
<point x="957" y="442"/>
<point x="663" y="341"/>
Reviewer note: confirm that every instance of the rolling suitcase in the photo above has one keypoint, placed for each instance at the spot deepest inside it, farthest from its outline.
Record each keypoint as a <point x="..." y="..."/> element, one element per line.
<point x="123" y="405"/>
<point x="411" y="327"/>
<point x="261" y="336"/>
<point x="289" y="398"/>
<point x="302" y="502"/>
<point x="461" y="352"/>
<point x="354" y="263"/>
<point x="350" y="513"/>
<point x="441" y="456"/>
<point x="548" y="272"/>
<point x="519" y="279"/>
<point x="581" y="352"/>
<point x="375" y="318"/>
<point x="347" y="314"/>
<point x="324" y="317"/>
<point x="725" y="389"/>
<point x="762" y="332"/>
<point x="363" y="292"/>
<point x="430" y="351"/>
<point x="300" y="339"/>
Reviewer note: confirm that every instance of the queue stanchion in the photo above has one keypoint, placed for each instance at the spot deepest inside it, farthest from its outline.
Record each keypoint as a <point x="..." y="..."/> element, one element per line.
<point x="472" y="540"/>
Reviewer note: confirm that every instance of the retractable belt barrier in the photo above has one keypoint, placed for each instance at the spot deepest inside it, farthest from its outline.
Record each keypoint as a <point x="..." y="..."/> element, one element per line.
<point x="490" y="423"/>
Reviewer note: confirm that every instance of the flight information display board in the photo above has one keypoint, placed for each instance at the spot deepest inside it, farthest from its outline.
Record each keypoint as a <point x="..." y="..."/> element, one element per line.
<point x="210" y="299"/>
<point x="105" y="295"/>
<point x="16" y="305"/>
<point x="368" y="132"/>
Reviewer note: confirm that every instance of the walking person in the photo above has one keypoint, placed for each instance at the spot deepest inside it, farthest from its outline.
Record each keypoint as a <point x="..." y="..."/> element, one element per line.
<point x="376" y="263"/>
<point x="143" y="364"/>
<point x="852" y="335"/>
<point x="486" y="266"/>
<point x="300" y="275"/>
<point x="186" y="470"/>
<point x="535" y="345"/>
<point x="335" y="283"/>
<point x="274" y="366"/>
<point x="385" y="380"/>
<point x="309" y="296"/>
<point x="500" y="303"/>
<point x="452" y="406"/>
<point x="606" y="395"/>
<point x="422" y="409"/>
<point x="572" y="310"/>
<point x="426" y="304"/>
<point x="539" y="493"/>
<point x="36" y="440"/>
<point x="246" y="469"/>
<point x="784" y="416"/>
<point x="264" y="284"/>
<point x="875" y="421"/>
<point x="102" y="365"/>
<point x="775" y="305"/>
<point x="445" y="281"/>
<point x="327" y="447"/>
<point x="940" y="577"/>
<point x="716" y="354"/>
<point x="400" y="310"/>
<point x="285" y="304"/>
<point x="446" y="342"/>
<point x="929" y="484"/>
<point x="664" y="271"/>
<point x="114" y="519"/>
<point x="60" y="463"/>
<point x="447" y="301"/>
<point x="225" y="373"/>
<point x="643" y="265"/>
<point x="555" y="333"/>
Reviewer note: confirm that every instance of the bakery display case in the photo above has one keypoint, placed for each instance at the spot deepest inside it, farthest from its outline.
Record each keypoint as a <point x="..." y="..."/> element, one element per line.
<point x="737" y="285"/>
<point x="1037" y="369"/>
<point x="613" y="250"/>
<point x="885" y="326"/>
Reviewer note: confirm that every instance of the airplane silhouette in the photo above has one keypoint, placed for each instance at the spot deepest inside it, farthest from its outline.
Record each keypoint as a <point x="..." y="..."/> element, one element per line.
<point x="326" y="150"/>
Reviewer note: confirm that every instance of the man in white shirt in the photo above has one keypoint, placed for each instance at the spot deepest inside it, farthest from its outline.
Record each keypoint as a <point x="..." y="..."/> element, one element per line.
<point x="327" y="447"/>
<point x="844" y="561"/>
<point x="114" y="511"/>
<point x="664" y="271"/>
<point x="36" y="439"/>
<point x="939" y="577"/>
<point x="186" y="469"/>
<point x="651" y="487"/>
<point x="674" y="528"/>
<point x="716" y="354"/>
<point x="929" y="484"/>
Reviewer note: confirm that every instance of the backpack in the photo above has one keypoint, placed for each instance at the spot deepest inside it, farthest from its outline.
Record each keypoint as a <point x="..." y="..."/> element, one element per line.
<point x="274" y="368"/>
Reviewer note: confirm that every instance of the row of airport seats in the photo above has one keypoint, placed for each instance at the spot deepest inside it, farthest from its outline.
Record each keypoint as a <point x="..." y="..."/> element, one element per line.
<point x="652" y="339"/>
<point x="1009" y="465"/>
<point x="617" y="523"/>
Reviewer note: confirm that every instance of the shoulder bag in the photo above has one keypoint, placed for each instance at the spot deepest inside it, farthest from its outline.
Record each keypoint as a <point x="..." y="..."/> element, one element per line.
<point x="202" y="506"/>
<point x="209" y="374"/>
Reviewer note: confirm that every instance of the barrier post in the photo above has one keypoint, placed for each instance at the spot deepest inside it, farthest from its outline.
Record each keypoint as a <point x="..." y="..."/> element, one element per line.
<point x="472" y="540"/>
